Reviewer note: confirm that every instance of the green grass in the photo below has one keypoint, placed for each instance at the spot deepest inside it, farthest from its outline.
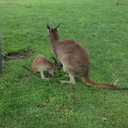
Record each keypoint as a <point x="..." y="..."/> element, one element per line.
<point x="102" y="27"/>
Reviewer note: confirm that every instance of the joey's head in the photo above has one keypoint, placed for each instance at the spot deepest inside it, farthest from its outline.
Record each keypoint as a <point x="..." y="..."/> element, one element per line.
<point x="57" y="64"/>
<point x="53" y="33"/>
<point x="51" y="71"/>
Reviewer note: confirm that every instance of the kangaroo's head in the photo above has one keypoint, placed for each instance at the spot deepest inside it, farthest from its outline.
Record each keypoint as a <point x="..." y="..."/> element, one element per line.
<point x="57" y="64"/>
<point x="53" y="33"/>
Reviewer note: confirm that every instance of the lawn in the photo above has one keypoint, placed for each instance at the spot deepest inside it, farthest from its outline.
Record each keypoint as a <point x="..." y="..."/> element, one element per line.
<point x="26" y="101"/>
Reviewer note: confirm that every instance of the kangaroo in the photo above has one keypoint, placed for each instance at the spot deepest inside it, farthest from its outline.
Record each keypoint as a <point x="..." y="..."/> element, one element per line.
<point x="41" y="64"/>
<point x="75" y="59"/>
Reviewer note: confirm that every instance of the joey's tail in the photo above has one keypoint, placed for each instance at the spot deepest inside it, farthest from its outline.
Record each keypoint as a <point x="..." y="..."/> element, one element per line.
<point x="87" y="80"/>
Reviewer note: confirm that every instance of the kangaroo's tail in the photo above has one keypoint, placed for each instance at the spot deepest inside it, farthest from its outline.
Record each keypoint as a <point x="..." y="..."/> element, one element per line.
<point x="87" y="80"/>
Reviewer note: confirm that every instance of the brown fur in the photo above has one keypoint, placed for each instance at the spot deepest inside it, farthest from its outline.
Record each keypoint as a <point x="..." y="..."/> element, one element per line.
<point x="41" y="64"/>
<point x="74" y="58"/>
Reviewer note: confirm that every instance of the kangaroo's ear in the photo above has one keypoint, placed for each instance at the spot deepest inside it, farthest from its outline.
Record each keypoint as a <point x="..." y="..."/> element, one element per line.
<point x="58" y="26"/>
<point x="48" y="27"/>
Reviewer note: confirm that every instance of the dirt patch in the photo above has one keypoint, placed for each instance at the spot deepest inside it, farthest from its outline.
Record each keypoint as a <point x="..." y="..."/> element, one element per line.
<point x="22" y="78"/>
<point x="63" y="109"/>
<point x="43" y="105"/>
<point x="17" y="55"/>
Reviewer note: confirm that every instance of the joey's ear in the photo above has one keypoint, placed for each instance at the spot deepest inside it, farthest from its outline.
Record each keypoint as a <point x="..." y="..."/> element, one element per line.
<point x="57" y="27"/>
<point x="48" y="27"/>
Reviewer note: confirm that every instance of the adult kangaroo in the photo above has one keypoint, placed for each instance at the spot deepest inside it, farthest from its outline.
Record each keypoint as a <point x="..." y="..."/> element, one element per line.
<point x="75" y="59"/>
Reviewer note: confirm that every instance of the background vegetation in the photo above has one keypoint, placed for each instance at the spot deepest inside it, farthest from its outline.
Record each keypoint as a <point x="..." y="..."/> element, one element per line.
<point x="28" y="102"/>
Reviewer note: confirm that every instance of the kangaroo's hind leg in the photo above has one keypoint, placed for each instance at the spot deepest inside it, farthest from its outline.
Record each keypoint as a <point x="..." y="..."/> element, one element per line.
<point x="72" y="80"/>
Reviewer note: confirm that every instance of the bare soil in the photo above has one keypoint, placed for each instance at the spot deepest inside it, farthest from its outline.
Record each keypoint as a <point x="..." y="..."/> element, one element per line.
<point x="17" y="55"/>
